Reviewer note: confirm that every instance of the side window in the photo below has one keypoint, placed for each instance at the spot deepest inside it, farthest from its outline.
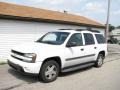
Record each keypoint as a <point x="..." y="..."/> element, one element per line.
<point x="89" y="40"/>
<point x="77" y="39"/>
<point x="100" y="38"/>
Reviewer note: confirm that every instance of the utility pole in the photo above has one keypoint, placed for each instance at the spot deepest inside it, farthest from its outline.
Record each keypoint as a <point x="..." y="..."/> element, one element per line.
<point x="107" y="22"/>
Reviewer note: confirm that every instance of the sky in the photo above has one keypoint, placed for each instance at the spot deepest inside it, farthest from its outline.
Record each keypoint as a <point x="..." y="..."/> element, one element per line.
<point x="93" y="9"/>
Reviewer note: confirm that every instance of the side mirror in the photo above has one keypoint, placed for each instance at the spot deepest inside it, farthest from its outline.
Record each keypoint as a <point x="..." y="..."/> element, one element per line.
<point x="71" y="44"/>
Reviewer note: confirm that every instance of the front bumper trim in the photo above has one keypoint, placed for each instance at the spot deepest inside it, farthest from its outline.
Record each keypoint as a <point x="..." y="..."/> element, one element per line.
<point x="19" y="68"/>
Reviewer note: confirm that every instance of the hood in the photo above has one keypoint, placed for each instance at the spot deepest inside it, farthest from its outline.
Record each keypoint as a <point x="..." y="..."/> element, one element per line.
<point x="34" y="47"/>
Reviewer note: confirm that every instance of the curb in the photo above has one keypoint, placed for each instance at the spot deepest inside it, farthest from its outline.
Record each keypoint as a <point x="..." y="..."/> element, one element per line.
<point x="114" y="52"/>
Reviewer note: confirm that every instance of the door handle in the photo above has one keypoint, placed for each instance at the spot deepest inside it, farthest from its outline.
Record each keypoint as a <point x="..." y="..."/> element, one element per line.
<point x="95" y="47"/>
<point x="82" y="49"/>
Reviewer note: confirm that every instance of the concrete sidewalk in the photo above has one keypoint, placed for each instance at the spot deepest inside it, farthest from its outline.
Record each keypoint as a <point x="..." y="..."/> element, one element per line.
<point x="113" y="48"/>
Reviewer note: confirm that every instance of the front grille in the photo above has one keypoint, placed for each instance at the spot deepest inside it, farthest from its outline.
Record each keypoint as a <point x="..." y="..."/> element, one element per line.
<point x="20" y="56"/>
<point x="17" y="58"/>
<point x="18" y="53"/>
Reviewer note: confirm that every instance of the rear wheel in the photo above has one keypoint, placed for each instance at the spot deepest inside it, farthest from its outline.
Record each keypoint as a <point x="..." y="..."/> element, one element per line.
<point x="49" y="71"/>
<point x="100" y="60"/>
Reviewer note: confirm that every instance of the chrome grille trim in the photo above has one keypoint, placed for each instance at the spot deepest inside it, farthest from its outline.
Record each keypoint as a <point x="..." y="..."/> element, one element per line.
<point x="16" y="52"/>
<point x="20" y="56"/>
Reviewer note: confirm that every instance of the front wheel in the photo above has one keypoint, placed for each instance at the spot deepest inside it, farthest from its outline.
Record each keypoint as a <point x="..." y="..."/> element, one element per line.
<point x="100" y="60"/>
<point x="49" y="71"/>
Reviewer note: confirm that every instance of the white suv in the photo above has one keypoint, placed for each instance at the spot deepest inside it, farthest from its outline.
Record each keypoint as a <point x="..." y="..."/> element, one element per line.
<point x="59" y="51"/>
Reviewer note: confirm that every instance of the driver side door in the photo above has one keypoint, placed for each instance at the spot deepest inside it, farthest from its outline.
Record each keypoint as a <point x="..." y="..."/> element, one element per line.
<point x="74" y="50"/>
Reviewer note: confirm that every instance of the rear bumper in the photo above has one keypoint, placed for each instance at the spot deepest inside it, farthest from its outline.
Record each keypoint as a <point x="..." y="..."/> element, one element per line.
<point x="24" y="67"/>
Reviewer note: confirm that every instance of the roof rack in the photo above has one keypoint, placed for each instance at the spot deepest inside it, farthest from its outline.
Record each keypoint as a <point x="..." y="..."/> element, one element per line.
<point x="81" y="30"/>
<point x="67" y="29"/>
<point x="96" y="31"/>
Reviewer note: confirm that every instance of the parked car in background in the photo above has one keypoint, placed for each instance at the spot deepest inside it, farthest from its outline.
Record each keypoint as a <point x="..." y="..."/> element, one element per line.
<point x="113" y="41"/>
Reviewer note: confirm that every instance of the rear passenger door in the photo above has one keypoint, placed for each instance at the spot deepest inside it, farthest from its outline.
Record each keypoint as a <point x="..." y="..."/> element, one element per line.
<point x="89" y="47"/>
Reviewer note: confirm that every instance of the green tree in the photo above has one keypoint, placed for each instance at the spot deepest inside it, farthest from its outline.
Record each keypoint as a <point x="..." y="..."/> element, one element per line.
<point x="111" y="27"/>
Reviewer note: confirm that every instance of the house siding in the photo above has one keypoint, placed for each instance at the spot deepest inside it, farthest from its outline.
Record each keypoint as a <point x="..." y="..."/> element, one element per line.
<point x="13" y="32"/>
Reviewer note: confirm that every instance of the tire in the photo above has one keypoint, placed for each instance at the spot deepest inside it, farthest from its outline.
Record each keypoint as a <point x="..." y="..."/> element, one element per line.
<point x="100" y="60"/>
<point x="49" y="71"/>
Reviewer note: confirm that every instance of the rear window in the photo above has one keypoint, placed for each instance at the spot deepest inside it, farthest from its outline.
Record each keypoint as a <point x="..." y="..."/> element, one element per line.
<point x="100" y="38"/>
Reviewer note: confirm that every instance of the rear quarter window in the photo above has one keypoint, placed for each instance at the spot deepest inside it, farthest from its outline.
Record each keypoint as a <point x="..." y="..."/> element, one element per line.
<point x="100" y="38"/>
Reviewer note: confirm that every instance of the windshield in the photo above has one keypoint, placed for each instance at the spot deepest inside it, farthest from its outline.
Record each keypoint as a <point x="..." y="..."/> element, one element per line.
<point x="55" y="38"/>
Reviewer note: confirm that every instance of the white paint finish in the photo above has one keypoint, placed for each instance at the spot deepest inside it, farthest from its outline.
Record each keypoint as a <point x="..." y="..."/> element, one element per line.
<point x="45" y="51"/>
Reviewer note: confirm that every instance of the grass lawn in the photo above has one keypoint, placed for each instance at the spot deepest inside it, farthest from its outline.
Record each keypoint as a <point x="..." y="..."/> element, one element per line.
<point x="2" y="62"/>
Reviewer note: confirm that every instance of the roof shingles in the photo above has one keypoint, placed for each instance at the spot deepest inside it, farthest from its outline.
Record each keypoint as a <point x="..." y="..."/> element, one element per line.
<point x="31" y="12"/>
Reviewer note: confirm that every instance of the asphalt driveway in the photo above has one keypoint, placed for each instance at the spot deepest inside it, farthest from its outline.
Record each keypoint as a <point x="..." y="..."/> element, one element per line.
<point x="104" y="78"/>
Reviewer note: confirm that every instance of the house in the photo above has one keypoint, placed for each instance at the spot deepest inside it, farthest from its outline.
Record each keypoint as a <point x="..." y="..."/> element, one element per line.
<point x="20" y="24"/>
<point x="115" y="34"/>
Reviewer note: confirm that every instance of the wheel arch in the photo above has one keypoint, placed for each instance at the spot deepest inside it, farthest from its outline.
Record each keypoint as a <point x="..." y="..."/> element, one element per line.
<point x="102" y="52"/>
<point x="55" y="58"/>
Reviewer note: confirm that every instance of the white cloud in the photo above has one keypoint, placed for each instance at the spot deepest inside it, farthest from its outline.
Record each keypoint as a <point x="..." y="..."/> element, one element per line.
<point x="94" y="7"/>
<point x="116" y="12"/>
<point x="53" y="2"/>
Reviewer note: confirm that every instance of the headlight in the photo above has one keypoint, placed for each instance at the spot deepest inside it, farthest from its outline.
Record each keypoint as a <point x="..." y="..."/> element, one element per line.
<point x="31" y="55"/>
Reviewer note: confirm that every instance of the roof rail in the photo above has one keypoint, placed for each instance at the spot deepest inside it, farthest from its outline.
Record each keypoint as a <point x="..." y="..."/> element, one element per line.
<point x="82" y="30"/>
<point x="88" y="30"/>
<point x="67" y="29"/>
<point x="95" y="31"/>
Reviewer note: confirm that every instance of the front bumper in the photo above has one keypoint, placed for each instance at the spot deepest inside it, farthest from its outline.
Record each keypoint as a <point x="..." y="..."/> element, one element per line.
<point x="25" y="67"/>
